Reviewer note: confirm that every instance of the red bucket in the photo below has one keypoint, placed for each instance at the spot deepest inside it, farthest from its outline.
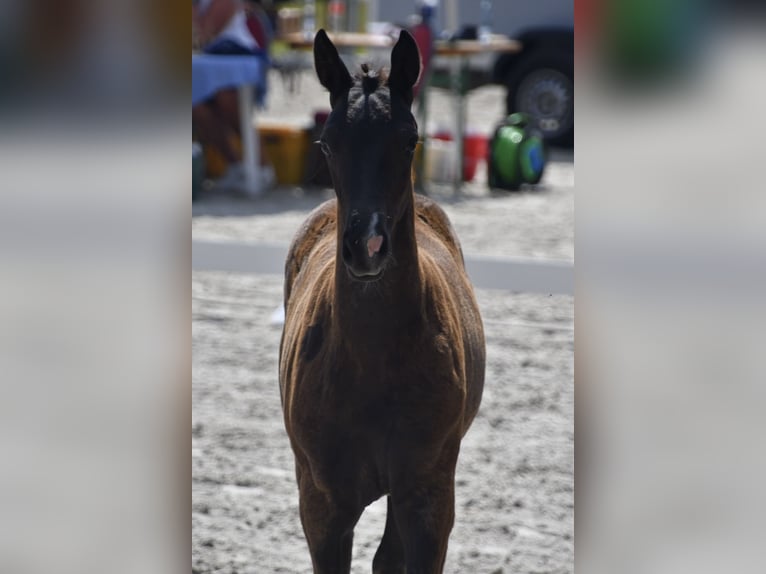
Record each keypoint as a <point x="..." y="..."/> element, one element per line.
<point x="474" y="151"/>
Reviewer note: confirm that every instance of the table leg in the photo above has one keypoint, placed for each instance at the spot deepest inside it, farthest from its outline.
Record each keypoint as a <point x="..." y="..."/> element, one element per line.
<point x="457" y="95"/>
<point x="420" y="169"/>
<point x="250" y="155"/>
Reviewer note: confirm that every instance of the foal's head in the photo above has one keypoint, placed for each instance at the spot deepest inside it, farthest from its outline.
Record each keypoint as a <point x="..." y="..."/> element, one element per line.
<point x="369" y="140"/>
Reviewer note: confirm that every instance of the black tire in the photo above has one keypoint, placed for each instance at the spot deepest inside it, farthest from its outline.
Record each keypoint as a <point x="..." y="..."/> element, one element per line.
<point x="541" y="85"/>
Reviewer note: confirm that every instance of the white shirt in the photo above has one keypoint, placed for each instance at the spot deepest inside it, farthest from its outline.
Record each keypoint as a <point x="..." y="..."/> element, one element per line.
<point x="235" y="30"/>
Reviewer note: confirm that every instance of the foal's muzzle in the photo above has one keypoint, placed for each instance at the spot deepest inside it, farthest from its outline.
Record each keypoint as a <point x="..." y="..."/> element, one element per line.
<point x="366" y="246"/>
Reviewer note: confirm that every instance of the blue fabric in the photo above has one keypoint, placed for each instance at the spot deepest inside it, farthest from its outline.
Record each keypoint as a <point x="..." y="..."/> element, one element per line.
<point x="211" y="73"/>
<point x="230" y="48"/>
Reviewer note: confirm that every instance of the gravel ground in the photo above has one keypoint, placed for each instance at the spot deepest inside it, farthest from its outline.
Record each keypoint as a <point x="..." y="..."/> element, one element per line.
<point x="515" y="500"/>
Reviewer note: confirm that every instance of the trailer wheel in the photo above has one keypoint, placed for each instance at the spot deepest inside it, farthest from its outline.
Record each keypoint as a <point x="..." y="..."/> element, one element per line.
<point x="541" y="86"/>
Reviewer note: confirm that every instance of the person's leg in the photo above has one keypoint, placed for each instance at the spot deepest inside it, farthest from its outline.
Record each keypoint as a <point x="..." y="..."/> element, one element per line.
<point x="217" y="122"/>
<point x="227" y="108"/>
<point x="210" y="128"/>
<point x="220" y="118"/>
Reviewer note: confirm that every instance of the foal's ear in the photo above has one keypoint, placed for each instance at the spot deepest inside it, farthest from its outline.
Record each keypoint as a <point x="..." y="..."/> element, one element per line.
<point x="331" y="70"/>
<point x="405" y="66"/>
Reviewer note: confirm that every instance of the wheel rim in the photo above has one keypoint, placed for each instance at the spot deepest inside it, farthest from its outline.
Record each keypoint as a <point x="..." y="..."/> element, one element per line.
<point x="546" y="95"/>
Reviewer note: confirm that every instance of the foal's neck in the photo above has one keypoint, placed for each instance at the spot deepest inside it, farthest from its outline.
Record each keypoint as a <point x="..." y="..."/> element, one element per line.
<point x="394" y="301"/>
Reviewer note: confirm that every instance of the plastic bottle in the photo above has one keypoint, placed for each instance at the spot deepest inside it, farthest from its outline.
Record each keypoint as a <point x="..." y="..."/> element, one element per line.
<point x="485" y="26"/>
<point x="337" y="9"/>
<point x="309" y="18"/>
<point x="362" y="15"/>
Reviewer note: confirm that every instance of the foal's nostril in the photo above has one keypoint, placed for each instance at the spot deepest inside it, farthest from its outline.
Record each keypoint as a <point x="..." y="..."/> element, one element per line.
<point x="364" y="248"/>
<point x="383" y="251"/>
<point x="346" y="253"/>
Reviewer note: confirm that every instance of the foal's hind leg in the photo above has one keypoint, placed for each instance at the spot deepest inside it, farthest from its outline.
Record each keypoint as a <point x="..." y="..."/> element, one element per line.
<point x="389" y="559"/>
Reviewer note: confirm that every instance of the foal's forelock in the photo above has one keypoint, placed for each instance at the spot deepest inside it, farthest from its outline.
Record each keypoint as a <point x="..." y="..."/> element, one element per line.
<point x="370" y="79"/>
<point x="369" y="96"/>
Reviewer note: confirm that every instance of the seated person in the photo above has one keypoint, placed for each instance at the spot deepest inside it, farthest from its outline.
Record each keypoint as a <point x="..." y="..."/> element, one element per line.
<point x="221" y="28"/>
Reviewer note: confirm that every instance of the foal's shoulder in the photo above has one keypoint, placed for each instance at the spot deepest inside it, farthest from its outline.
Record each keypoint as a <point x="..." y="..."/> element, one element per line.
<point x="316" y="226"/>
<point x="428" y="212"/>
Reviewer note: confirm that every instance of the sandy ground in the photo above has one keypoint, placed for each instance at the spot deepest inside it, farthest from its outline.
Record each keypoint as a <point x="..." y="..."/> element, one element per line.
<point x="515" y="499"/>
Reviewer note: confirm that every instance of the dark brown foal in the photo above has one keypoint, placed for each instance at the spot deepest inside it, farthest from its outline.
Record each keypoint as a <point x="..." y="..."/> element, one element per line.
<point x="382" y="354"/>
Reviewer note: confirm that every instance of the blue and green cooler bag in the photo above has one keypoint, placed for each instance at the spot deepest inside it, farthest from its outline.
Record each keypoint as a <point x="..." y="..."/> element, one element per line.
<point x="516" y="154"/>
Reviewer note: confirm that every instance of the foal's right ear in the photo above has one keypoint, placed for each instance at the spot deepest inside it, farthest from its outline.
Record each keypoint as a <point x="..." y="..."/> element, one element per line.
<point x="331" y="70"/>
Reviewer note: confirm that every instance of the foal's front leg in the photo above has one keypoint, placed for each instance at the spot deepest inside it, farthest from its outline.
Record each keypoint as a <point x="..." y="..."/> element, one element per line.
<point x="425" y="516"/>
<point x="329" y="529"/>
<point x="423" y="499"/>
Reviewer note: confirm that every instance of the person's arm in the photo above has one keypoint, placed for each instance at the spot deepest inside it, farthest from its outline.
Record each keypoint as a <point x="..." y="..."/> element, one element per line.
<point x="215" y="18"/>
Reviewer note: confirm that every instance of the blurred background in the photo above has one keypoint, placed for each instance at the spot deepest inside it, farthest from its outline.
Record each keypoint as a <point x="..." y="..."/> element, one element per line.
<point x="670" y="283"/>
<point x="521" y="53"/>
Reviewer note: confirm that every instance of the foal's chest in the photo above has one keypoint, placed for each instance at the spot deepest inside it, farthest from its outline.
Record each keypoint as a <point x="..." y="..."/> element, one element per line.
<point x="356" y="421"/>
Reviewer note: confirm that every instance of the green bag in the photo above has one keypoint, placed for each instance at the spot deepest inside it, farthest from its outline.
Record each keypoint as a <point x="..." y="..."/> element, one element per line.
<point x="516" y="154"/>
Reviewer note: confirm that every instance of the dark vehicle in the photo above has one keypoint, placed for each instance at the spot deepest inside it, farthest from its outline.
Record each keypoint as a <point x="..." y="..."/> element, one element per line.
<point x="539" y="79"/>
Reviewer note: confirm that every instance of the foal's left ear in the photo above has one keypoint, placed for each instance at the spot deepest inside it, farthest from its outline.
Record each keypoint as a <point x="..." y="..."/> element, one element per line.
<point x="331" y="70"/>
<point x="405" y="67"/>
